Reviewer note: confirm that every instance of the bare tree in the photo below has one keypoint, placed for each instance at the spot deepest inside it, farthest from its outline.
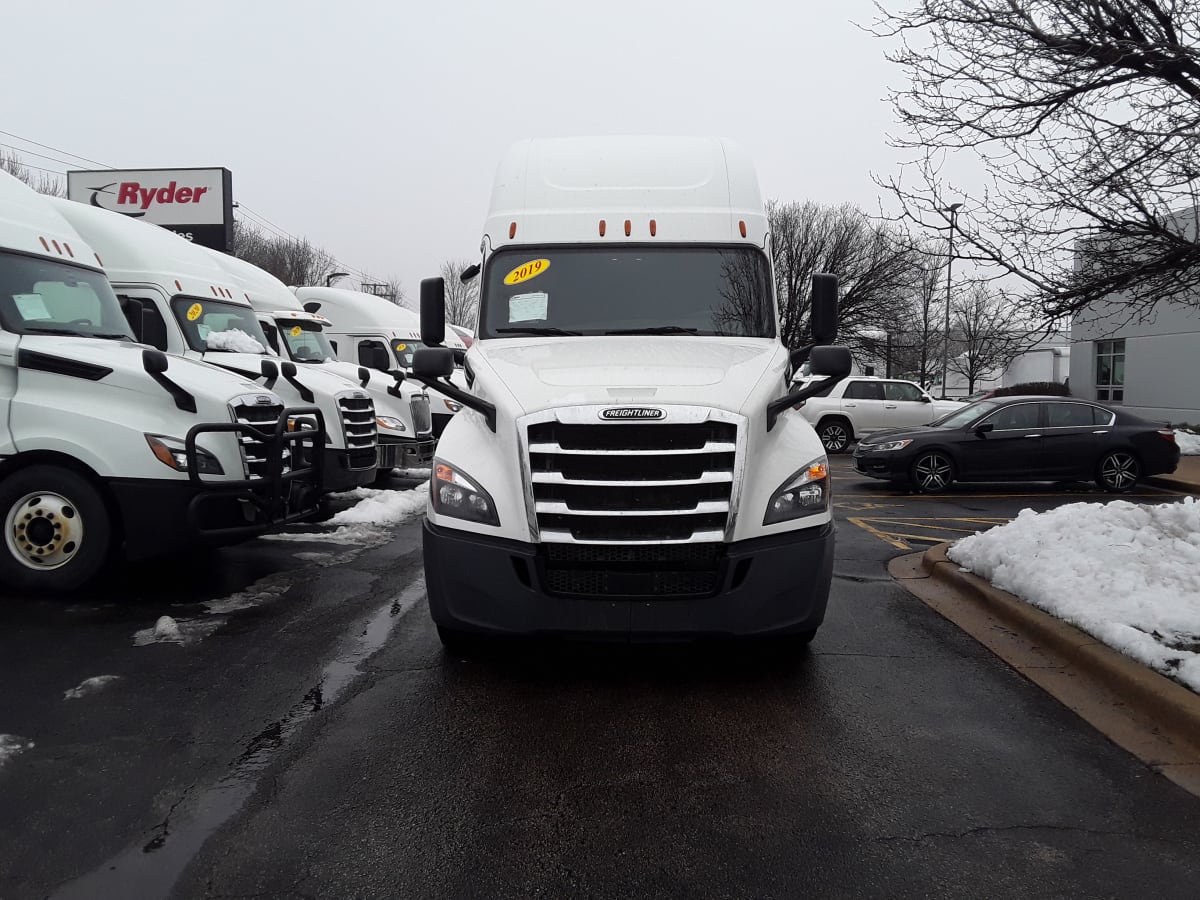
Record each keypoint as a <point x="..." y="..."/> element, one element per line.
<point x="462" y="299"/>
<point x="294" y="261"/>
<point x="877" y="269"/>
<point x="48" y="183"/>
<point x="985" y="335"/>
<point x="1086" y="117"/>
<point x="916" y="347"/>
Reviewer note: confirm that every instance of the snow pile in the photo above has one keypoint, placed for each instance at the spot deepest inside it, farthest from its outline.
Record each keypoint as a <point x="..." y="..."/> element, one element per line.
<point x="11" y="745"/>
<point x="90" y="686"/>
<point x="383" y="508"/>
<point x="1189" y="444"/>
<point x="177" y="631"/>
<point x="265" y="590"/>
<point x="1126" y="574"/>
<point x="234" y="340"/>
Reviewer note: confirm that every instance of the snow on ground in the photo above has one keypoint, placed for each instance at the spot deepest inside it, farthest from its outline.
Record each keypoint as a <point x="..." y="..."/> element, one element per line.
<point x="365" y="523"/>
<point x="1127" y="574"/>
<point x="265" y="590"/>
<point x="235" y="340"/>
<point x="168" y="630"/>
<point x="1189" y="444"/>
<point x="90" y="686"/>
<point x="11" y="745"/>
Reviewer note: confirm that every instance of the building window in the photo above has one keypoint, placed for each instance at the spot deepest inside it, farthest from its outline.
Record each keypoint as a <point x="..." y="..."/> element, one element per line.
<point x="1110" y="371"/>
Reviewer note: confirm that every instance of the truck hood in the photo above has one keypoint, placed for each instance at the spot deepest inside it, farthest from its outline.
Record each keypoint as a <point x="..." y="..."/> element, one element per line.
<point x="124" y="358"/>
<point x="712" y="371"/>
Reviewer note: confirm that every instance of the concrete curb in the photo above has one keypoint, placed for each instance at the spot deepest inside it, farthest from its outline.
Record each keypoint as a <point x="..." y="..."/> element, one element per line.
<point x="1174" y="484"/>
<point x="1171" y="704"/>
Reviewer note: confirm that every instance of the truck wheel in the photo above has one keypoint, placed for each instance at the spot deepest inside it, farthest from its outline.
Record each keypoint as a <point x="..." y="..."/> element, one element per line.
<point x="835" y="434"/>
<point x="57" y="530"/>
<point x="1118" y="472"/>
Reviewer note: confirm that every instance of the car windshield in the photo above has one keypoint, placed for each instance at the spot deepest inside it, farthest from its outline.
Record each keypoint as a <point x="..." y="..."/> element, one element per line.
<point x="627" y="290"/>
<point x="211" y="325"/>
<point x="39" y="296"/>
<point x="404" y="350"/>
<point x="967" y="414"/>
<point x="306" y="342"/>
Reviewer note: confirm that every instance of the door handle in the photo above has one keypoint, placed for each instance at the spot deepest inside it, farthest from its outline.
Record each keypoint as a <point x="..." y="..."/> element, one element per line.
<point x="889" y="406"/>
<point x="1101" y="431"/>
<point x="850" y="405"/>
<point x="1033" y="435"/>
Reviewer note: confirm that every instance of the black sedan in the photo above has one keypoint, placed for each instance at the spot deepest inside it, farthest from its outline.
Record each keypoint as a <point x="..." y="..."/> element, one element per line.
<point x="1022" y="439"/>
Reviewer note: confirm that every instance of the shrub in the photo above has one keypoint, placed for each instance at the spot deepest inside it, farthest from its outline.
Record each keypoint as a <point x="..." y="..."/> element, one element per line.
<point x="1044" y="388"/>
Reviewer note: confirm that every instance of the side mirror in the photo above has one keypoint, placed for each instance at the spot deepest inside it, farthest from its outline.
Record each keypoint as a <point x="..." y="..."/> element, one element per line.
<point x="925" y="398"/>
<point x="830" y="361"/>
<point x="154" y="361"/>
<point x="469" y="272"/>
<point x="312" y="306"/>
<point x="364" y="376"/>
<point x="433" y="362"/>
<point x="824" y="308"/>
<point x="985" y="428"/>
<point x="433" y="312"/>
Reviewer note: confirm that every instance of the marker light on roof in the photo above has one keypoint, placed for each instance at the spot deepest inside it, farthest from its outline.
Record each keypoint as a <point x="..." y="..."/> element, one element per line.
<point x="512" y="230"/>
<point x="602" y="227"/>
<point x="653" y="228"/>
<point x="70" y="252"/>
<point x="628" y="227"/>
<point x="47" y="246"/>
<point x="742" y="228"/>
<point x="178" y="286"/>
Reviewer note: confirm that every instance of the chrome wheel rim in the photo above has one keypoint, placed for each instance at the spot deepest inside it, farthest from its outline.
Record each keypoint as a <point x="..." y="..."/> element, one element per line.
<point x="834" y="437"/>
<point x="44" y="530"/>
<point x="1119" y="471"/>
<point x="933" y="472"/>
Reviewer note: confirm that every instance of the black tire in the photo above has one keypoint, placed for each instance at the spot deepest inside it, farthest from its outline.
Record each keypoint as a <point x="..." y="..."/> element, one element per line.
<point x="1118" y="471"/>
<point x="932" y="472"/>
<point x="383" y="477"/>
<point x="53" y="514"/>
<point x="836" y="434"/>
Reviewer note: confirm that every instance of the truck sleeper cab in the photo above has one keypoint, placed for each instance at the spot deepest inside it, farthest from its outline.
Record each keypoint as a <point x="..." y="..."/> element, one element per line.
<point x="628" y="462"/>
<point x="178" y="300"/>
<point x="107" y="448"/>
<point x="366" y="327"/>
<point x="401" y="408"/>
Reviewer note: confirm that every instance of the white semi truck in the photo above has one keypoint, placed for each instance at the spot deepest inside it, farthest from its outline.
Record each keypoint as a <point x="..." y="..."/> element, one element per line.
<point x="179" y="300"/>
<point x="401" y="407"/>
<point x="367" y="327"/>
<point x="107" y="447"/>
<point x="628" y="461"/>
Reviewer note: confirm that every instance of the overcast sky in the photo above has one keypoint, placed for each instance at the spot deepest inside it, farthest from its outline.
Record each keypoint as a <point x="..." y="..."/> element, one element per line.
<point x="374" y="128"/>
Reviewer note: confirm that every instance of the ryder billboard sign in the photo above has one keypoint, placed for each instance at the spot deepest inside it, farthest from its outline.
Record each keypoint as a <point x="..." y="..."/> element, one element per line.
<point x="194" y="203"/>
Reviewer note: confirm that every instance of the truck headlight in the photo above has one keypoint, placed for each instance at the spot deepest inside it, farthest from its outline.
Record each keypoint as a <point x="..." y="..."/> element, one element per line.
<point x="804" y="493"/>
<point x="458" y="495"/>
<point x="391" y="423"/>
<point x="173" y="452"/>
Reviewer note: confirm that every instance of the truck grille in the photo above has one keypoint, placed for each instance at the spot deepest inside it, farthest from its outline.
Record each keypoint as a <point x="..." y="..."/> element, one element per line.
<point x="358" y="423"/>
<point x="665" y="570"/>
<point x="632" y="483"/>
<point x="422" y="420"/>
<point x="254" y="454"/>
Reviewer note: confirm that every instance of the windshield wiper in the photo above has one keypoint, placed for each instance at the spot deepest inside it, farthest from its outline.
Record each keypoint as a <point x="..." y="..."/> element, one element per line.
<point x="656" y="329"/>
<point x="68" y="332"/>
<point x="540" y="331"/>
<point x="111" y="335"/>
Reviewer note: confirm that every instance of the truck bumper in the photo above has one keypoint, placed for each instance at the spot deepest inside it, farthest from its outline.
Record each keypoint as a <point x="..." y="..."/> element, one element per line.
<point x="406" y="454"/>
<point x="768" y="586"/>
<point x="344" y="470"/>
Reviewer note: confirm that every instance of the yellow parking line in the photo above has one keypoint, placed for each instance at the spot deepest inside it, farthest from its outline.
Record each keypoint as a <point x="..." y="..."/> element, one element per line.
<point x="899" y="545"/>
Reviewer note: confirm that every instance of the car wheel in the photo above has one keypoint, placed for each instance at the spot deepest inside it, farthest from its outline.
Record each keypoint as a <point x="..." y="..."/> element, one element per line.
<point x="1118" y="472"/>
<point x="835" y="435"/>
<point x="57" y="529"/>
<point x="932" y="472"/>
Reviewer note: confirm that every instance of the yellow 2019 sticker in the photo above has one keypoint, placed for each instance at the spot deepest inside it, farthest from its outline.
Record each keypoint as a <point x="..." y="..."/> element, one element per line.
<point x="401" y="347"/>
<point x="194" y="311"/>
<point x="297" y="331"/>
<point x="526" y="271"/>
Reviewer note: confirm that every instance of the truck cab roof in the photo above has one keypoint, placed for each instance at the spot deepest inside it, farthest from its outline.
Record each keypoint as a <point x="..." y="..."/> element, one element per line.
<point x="30" y="224"/>
<point x="355" y="312"/>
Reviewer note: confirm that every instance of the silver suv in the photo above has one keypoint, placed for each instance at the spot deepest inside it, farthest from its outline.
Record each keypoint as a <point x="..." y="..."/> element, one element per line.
<point x="860" y="405"/>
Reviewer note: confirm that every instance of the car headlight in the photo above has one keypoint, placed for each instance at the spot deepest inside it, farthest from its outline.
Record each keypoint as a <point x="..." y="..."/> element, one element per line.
<point x="452" y="405"/>
<point x="804" y="493"/>
<point x="458" y="495"/>
<point x="888" y="445"/>
<point x="173" y="452"/>
<point x="390" y="422"/>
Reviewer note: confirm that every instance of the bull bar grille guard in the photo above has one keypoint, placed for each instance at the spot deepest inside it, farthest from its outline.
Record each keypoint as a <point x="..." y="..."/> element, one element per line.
<point x="271" y="494"/>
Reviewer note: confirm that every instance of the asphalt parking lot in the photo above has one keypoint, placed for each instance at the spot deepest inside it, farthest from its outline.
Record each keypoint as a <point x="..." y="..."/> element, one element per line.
<point x="310" y="738"/>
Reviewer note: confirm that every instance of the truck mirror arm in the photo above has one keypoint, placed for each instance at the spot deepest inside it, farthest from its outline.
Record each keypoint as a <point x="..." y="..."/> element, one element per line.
<point x="155" y="364"/>
<point x="454" y="392"/>
<point x="776" y="407"/>
<point x="364" y="376"/>
<point x="289" y="373"/>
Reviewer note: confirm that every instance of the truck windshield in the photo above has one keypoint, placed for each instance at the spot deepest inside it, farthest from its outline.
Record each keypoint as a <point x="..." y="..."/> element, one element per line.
<point x="627" y="290"/>
<point x="217" y="325"/>
<point x="41" y="296"/>
<point x="306" y="342"/>
<point x="404" y="350"/>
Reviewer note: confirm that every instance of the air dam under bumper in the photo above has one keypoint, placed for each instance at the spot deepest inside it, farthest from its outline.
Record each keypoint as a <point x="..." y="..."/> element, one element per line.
<point x="767" y="586"/>
<point x="406" y="454"/>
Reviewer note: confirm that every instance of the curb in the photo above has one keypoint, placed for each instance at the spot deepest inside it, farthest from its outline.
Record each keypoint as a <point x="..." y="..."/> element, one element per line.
<point x="1147" y="713"/>
<point x="1174" y="484"/>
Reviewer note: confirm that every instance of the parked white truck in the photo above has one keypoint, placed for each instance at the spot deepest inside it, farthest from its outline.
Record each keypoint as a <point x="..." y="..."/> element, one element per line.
<point x="366" y="327"/>
<point x="629" y="462"/>
<point x="106" y="446"/>
<point x="179" y="300"/>
<point x="401" y="407"/>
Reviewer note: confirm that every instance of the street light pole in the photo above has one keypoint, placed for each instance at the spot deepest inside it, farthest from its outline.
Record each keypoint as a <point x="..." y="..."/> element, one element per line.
<point x="953" y="209"/>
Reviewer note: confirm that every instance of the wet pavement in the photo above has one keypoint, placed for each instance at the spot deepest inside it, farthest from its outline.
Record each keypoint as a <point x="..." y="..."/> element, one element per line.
<point x="312" y="740"/>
